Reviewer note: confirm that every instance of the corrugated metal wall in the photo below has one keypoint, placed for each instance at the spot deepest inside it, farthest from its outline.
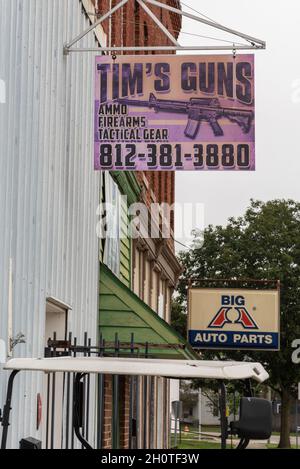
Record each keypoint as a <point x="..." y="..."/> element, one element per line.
<point x="49" y="191"/>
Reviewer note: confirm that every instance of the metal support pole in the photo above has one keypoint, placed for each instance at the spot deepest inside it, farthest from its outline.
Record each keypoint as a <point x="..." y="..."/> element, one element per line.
<point x="48" y="411"/>
<point x="116" y="402"/>
<point x="269" y="397"/>
<point x="249" y="388"/>
<point x="53" y="389"/>
<point x="180" y="431"/>
<point x="296" y="411"/>
<point x="131" y="398"/>
<point x="68" y="397"/>
<point x="7" y="408"/>
<point x="145" y="395"/>
<point x="234" y="405"/>
<point x="74" y="354"/>
<point x="176" y="430"/>
<point x="116" y="413"/>
<point x="138" y="412"/>
<point x="223" y="415"/>
<point x="161" y="48"/>
<point x="199" y="412"/>
<point x="100" y="396"/>
<point x="78" y="408"/>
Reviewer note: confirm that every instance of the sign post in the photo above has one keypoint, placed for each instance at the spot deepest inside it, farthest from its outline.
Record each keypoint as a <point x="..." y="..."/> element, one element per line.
<point x="199" y="412"/>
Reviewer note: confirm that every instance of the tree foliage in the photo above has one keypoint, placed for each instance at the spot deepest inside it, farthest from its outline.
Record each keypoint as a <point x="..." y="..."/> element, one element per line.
<point x="179" y="318"/>
<point x="264" y="244"/>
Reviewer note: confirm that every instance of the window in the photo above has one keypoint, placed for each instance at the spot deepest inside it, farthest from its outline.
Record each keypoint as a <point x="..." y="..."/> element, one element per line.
<point x="146" y="37"/>
<point x="137" y="23"/>
<point x="110" y="244"/>
<point x="56" y="320"/>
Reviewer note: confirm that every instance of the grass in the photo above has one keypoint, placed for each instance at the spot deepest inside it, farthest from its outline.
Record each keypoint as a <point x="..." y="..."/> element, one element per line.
<point x="216" y="429"/>
<point x="191" y="439"/>
<point x="193" y="430"/>
<point x="210" y="429"/>
<point x="191" y="442"/>
<point x="272" y="446"/>
<point x="198" y="445"/>
<point x="209" y="445"/>
<point x="291" y="434"/>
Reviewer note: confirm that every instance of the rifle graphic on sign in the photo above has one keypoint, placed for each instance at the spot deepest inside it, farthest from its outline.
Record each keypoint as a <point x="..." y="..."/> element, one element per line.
<point x="198" y="110"/>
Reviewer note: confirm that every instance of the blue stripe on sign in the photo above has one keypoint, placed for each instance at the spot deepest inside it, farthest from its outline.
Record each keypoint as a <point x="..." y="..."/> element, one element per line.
<point x="234" y="339"/>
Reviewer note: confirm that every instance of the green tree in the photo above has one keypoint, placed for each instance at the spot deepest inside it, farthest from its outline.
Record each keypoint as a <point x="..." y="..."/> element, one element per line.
<point x="179" y="317"/>
<point x="264" y="244"/>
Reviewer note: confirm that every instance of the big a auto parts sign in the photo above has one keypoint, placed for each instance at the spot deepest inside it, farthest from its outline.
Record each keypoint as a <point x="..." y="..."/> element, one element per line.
<point x="174" y="113"/>
<point x="233" y="319"/>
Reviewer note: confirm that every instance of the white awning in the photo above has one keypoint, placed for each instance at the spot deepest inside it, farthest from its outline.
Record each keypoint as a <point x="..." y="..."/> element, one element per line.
<point x="144" y="367"/>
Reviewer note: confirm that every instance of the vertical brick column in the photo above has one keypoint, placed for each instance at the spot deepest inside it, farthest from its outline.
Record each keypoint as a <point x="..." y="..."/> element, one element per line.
<point x="125" y="413"/>
<point x="107" y="417"/>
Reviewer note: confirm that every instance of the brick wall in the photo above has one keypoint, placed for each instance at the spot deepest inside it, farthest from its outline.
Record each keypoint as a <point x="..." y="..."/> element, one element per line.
<point x="124" y="413"/>
<point x="107" y="417"/>
<point x="132" y="26"/>
<point x="124" y="402"/>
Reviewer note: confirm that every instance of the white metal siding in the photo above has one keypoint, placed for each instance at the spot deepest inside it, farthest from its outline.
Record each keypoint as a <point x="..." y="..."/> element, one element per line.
<point x="49" y="191"/>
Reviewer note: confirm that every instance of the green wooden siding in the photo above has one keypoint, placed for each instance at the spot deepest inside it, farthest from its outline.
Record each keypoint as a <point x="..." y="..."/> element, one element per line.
<point x="128" y="186"/>
<point x="122" y="312"/>
<point x="125" y="248"/>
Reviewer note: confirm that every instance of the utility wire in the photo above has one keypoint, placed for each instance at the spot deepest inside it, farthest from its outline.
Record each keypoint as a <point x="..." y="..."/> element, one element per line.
<point x="181" y="244"/>
<point x="212" y="38"/>
<point x="153" y="27"/>
<point x="199" y="13"/>
<point x="210" y="19"/>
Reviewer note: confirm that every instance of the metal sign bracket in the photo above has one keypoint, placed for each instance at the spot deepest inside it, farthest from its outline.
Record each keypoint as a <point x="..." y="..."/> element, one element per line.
<point x="251" y="43"/>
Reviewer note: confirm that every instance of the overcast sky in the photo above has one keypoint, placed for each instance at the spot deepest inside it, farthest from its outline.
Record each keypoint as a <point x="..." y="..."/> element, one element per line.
<point x="226" y="194"/>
